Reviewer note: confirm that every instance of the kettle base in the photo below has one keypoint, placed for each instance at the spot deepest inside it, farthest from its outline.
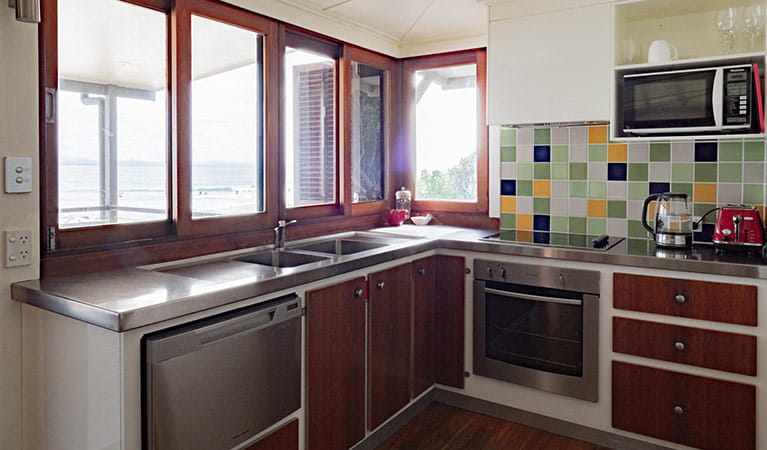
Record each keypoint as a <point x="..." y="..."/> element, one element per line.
<point x="674" y="240"/>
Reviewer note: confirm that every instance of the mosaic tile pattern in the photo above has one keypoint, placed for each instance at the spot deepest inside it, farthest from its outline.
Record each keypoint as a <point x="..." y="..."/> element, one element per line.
<point x="575" y="180"/>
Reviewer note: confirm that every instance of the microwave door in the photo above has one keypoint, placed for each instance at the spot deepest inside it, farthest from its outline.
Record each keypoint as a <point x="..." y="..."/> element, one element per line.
<point x="673" y="102"/>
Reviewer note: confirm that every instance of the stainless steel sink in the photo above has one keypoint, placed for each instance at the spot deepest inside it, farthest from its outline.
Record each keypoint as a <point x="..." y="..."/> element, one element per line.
<point x="280" y="258"/>
<point x="339" y="246"/>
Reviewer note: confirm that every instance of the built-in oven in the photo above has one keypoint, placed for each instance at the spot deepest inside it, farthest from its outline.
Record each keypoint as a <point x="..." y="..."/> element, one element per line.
<point x="537" y="326"/>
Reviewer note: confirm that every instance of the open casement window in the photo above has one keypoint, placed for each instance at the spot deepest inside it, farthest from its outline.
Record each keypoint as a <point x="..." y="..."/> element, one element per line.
<point x="310" y="126"/>
<point x="444" y="96"/>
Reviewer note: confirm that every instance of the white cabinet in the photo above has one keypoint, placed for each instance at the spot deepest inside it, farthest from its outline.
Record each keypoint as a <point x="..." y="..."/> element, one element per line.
<point x="550" y="67"/>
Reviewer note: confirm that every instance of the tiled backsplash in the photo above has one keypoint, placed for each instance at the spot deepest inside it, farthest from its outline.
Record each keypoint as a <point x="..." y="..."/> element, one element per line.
<point x="572" y="179"/>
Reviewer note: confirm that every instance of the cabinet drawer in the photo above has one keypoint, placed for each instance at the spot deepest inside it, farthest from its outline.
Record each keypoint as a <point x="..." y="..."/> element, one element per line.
<point x="704" y="348"/>
<point x="718" y="302"/>
<point x="686" y="409"/>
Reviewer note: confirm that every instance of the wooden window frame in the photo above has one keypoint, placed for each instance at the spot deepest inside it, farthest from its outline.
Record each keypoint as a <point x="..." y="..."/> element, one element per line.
<point x="408" y="164"/>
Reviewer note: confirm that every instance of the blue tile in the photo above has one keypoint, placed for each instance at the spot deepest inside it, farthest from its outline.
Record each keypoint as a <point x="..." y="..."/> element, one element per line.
<point x="542" y="153"/>
<point x="541" y="237"/>
<point x="705" y="234"/>
<point x="659" y="188"/>
<point x="705" y="151"/>
<point x="541" y="222"/>
<point x="508" y="187"/>
<point x="617" y="171"/>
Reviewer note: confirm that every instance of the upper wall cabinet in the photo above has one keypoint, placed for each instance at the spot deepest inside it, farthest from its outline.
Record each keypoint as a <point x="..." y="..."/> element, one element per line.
<point x="550" y="67"/>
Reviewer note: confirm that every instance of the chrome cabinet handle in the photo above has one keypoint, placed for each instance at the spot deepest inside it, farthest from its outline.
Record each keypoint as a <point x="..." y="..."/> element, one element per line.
<point x="680" y="299"/>
<point x="678" y="410"/>
<point x="380" y="285"/>
<point x="421" y="271"/>
<point x="358" y="292"/>
<point x="679" y="345"/>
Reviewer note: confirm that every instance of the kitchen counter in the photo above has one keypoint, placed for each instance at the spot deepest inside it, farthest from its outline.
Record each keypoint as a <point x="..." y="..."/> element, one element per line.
<point x="125" y="299"/>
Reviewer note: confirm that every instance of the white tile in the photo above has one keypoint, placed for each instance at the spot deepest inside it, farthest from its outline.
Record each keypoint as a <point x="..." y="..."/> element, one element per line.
<point x="525" y="136"/>
<point x="578" y="207"/>
<point x="508" y="171"/>
<point x="639" y="152"/>
<point x="597" y="171"/>
<point x="634" y="209"/>
<point x="525" y="153"/>
<point x="729" y="193"/>
<point x="617" y="227"/>
<point x="660" y="172"/>
<point x="559" y="188"/>
<point x="559" y="206"/>
<point x="579" y="135"/>
<point x="579" y="152"/>
<point x="524" y="205"/>
<point x="617" y="190"/>
<point x="682" y="151"/>
<point x="560" y="136"/>
<point x="753" y="173"/>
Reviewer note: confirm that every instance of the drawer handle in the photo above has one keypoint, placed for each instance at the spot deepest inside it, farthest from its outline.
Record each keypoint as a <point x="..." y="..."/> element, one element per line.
<point x="358" y="292"/>
<point x="380" y="285"/>
<point x="421" y="271"/>
<point x="678" y="410"/>
<point x="679" y="345"/>
<point x="680" y="299"/>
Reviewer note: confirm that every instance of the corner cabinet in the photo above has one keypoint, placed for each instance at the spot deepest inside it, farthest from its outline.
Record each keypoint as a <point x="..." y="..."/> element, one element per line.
<point x="550" y="67"/>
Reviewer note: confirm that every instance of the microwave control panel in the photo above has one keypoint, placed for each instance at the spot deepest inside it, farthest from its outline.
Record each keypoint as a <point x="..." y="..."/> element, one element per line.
<point x="737" y="95"/>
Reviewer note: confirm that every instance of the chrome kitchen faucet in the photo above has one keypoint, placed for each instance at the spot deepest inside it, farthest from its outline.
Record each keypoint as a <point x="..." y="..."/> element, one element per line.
<point x="279" y="234"/>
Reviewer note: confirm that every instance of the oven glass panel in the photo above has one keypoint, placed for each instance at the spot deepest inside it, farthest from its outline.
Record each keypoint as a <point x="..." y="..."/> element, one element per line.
<point x="535" y="334"/>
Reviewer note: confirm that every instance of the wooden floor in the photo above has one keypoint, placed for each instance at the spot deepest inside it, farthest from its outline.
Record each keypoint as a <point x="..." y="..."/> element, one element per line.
<point x="441" y="426"/>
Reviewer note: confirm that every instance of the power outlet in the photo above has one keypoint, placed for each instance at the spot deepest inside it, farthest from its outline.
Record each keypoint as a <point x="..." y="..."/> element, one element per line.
<point x="18" y="248"/>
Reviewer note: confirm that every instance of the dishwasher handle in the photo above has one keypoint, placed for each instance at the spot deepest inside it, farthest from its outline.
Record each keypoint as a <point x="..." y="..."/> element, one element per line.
<point x="535" y="298"/>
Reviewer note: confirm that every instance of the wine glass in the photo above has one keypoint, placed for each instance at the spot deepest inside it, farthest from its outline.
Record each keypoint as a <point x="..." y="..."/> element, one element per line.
<point x="754" y="23"/>
<point x="725" y="24"/>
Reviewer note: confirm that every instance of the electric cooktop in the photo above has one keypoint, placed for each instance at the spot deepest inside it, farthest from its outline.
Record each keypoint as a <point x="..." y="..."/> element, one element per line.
<point x="569" y="240"/>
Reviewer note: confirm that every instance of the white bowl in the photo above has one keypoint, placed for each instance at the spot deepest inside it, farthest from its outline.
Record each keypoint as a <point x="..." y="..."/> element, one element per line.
<point x="421" y="220"/>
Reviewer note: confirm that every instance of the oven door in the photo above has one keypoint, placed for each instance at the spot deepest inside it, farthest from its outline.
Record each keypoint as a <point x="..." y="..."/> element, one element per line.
<point x="537" y="337"/>
<point x="673" y="102"/>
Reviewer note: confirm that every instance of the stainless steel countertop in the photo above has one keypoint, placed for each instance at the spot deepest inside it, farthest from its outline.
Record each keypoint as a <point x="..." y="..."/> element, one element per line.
<point x="125" y="299"/>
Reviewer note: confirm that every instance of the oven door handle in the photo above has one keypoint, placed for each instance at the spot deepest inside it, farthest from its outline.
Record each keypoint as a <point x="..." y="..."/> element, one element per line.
<point x="535" y="298"/>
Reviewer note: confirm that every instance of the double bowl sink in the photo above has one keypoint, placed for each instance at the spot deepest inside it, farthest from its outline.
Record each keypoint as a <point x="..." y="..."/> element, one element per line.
<point x="324" y="249"/>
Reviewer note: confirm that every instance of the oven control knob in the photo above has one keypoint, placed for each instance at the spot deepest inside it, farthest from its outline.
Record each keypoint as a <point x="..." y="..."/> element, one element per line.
<point x="489" y="272"/>
<point x="503" y="273"/>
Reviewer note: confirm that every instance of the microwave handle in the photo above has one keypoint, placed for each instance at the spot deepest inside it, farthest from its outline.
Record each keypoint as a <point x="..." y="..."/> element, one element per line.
<point x="718" y="97"/>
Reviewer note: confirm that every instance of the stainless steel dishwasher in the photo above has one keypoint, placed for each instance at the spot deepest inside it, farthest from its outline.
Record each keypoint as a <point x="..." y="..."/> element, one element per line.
<point x="214" y="383"/>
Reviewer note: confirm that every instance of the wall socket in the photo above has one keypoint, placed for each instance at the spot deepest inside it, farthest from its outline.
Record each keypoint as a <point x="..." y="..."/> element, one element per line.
<point x="18" y="248"/>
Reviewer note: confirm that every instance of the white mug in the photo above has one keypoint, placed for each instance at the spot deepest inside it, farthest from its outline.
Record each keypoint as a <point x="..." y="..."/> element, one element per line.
<point x="660" y="52"/>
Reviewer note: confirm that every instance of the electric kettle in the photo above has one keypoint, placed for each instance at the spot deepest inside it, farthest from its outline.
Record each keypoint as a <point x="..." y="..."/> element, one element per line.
<point x="673" y="219"/>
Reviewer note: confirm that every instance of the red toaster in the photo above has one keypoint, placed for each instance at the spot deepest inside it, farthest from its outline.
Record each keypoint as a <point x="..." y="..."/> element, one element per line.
<point x="738" y="225"/>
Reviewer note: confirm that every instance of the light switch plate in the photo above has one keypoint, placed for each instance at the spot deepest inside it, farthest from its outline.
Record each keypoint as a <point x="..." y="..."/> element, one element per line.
<point x="18" y="175"/>
<point x="18" y="248"/>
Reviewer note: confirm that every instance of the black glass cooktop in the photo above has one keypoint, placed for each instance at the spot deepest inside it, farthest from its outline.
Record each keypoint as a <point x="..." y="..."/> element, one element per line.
<point x="572" y="240"/>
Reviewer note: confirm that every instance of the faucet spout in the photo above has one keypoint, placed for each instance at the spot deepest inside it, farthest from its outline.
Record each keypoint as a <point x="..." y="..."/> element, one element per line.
<point x="279" y="234"/>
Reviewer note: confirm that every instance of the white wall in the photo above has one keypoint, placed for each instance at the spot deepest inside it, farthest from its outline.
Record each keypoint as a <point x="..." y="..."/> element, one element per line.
<point x="18" y="137"/>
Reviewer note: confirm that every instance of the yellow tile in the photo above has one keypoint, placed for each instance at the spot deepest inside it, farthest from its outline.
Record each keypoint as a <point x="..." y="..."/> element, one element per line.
<point x="598" y="135"/>
<point x="597" y="208"/>
<point x="524" y="221"/>
<point x="616" y="153"/>
<point x="761" y="209"/>
<point x="508" y="204"/>
<point x="704" y="193"/>
<point x="525" y="236"/>
<point x="541" y="188"/>
<point x="651" y="210"/>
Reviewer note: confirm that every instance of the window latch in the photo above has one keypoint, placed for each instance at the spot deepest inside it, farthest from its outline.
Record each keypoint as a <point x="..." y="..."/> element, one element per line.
<point x="50" y="105"/>
<point x="51" y="238"/>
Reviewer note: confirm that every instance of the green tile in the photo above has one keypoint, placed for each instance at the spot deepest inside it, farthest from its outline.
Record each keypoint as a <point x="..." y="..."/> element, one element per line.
<point x="753" y="194"/>
<point x="753" y="151"/>
<point x="508" y="154"/>
<point x="578" y="171"/>
<point x="559" y="153"/>
<point x="524" y="171"/>
<point x="597" y="225"/>
<point x="616" y="209"/>
<point x="705" y="172"/>
<point x="637" y="246"/>
<point x="682" y="172"/>
<point x="660" y="151"/>
<point x="542" y="171"/>
<point x="577" y="225"/>
<point x="685" y="188"/>
<point x="637" y="172"/>
<point x="635" y="229"/>
<point x="541" y="205"/>
<point x="559" y="171"/>
<point x="524" y="188"/>
<point x="542" y="136"/>
<point x="597" y="152"/>
<point x="559" y="239"/>
<point x="558" y="224"/>
<point x="508" y="221"/>
<point x="637" y="191"/>
<point x="577" y="189"/>
<point x="698" y="209"/>
<point x="730" y="172"/>
<point x="598" y="189"/>
<point x="508" y="136"/>
<point x="730" y="151"/>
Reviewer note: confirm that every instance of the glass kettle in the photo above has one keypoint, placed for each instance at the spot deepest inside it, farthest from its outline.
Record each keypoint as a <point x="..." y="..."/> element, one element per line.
<point x="673" y="219"/>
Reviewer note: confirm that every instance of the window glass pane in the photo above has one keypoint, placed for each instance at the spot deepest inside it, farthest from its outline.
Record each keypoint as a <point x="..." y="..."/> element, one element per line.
<point x="310" y="129"/>
<point x="112" y="113"/>
<point x="368" y="157"/>
<point x="227" y="120"/>
<point x="446" y="134"/>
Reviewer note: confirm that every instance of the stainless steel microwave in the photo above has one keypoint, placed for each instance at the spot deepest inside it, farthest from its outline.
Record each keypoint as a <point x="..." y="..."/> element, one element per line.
<point x="701" y="100"/>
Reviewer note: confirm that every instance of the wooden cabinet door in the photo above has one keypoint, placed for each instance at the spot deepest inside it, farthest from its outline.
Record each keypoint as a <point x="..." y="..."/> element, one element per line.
<point x="449" y="313"/>
<point x="283" y="438"/>
<point x="335" y="366"/>
<point x="389" y="334"/>
<point x="424" y="295"/>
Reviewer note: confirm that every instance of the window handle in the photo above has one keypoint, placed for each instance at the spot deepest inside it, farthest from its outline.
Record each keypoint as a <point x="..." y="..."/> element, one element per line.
<point x="50" y="105"/>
